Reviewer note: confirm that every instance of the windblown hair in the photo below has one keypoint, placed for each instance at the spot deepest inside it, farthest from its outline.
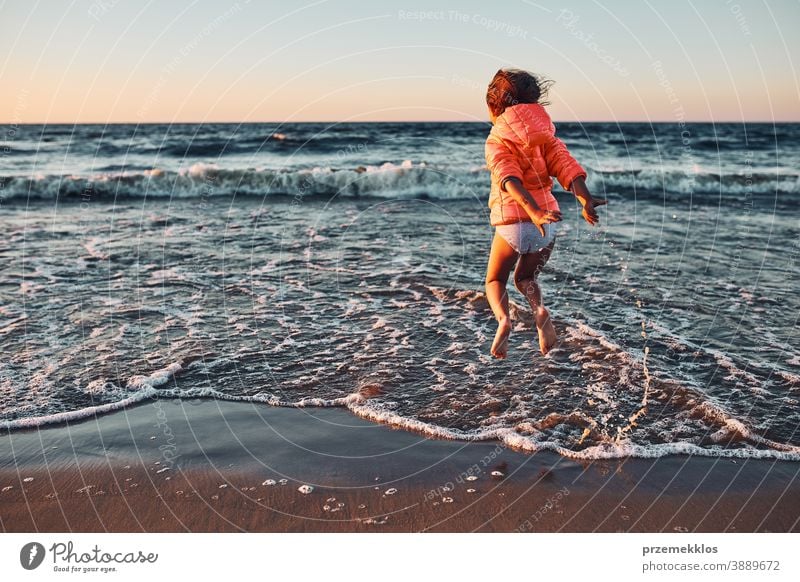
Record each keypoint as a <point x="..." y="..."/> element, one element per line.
<point x="512" y="86"/>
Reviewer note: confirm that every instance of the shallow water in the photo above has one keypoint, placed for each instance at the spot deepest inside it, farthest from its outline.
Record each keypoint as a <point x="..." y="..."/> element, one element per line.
<point x="677" y="316"/>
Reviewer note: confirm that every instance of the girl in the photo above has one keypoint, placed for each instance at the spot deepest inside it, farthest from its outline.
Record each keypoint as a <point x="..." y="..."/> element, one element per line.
<point x="522" y="153"/>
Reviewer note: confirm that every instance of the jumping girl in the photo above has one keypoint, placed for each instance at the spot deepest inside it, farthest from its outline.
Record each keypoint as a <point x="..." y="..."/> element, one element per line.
<point x="522" y="153"/>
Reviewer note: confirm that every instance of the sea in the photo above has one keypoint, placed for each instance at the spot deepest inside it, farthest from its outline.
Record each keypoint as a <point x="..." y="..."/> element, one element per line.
<point x="342" y="264"/>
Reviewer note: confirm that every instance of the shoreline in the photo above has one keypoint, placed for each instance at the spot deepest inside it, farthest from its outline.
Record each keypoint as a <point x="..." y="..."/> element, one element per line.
<point x="208" y="465"/>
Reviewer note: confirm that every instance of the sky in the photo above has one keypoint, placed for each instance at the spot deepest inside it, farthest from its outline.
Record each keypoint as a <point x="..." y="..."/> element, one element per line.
<point x="108" y="61"/>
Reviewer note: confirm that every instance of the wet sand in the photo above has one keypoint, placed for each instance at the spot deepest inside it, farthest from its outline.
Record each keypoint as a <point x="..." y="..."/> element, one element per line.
<point x="208" y="466"/>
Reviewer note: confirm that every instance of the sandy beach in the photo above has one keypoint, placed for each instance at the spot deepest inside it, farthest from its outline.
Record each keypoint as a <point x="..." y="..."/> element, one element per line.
<point x="213" y="466"/>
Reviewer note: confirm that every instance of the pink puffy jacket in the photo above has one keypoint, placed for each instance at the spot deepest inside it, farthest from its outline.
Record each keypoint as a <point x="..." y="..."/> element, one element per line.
<point x="523" y="144"/>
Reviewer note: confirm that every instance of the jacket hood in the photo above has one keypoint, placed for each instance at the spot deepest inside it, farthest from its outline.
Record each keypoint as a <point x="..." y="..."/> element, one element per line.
<point x="526" y="124"/>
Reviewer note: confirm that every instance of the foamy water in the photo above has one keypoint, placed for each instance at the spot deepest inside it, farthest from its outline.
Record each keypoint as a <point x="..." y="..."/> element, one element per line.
<point x="677" y="318"/>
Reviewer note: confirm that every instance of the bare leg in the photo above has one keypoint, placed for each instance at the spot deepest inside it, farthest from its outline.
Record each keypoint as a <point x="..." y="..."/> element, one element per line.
<point x="528" y="269"/>
<point x="501" y="261"/>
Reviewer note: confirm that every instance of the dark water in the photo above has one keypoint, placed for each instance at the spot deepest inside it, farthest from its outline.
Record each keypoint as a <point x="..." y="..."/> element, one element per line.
<point x="343" y="265"/>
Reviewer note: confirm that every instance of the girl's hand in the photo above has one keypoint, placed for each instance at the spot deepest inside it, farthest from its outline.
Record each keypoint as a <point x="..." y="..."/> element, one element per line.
<point x="589" y="203"/>
<point x="589" y="213"/>
<point x="541" y="217"/>
<point x="522" y="197"/>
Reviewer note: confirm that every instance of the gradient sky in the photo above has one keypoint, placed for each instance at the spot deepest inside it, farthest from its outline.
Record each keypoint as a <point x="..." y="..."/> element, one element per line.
<point x="202" y="60"/>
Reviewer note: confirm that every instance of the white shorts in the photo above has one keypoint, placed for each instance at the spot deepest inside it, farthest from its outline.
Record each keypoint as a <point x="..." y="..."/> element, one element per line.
<point x="524" y="237"/>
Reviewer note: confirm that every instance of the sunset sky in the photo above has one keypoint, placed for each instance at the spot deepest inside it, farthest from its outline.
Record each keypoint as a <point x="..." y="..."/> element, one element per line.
<point x="186" y="61"/>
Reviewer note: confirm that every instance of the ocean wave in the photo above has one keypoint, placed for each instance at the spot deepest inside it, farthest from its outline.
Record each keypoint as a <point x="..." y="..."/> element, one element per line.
<point x="204" y="180"/>
<point x="360" y="405"/>
<point x="527" y="436"/>
<point x="676" y="184"/>
<point x="388" y="180"/>
<point x="604" y="450"/>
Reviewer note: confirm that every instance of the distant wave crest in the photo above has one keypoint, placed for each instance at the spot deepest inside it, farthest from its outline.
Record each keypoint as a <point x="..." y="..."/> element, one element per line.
<point x="387" y="180"/>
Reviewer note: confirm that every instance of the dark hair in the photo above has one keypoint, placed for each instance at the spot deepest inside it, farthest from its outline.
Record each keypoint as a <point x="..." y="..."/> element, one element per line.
<point x="512" y="86"/>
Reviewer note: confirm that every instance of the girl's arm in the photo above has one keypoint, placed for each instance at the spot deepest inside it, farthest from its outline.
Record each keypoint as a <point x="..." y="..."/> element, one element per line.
<point x="503" y="164"/>
<point x="522" y="197"/>
<point x="572" y="177"/>
<point x="561" y="164"/>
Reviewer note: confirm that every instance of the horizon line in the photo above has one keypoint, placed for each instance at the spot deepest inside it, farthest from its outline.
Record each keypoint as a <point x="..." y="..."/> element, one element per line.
<point x="17" y="123"/>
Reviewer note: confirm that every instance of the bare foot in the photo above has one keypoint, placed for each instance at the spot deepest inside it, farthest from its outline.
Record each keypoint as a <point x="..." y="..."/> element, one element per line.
<point x="500" y="345"/>
<point x="547" y="333"/>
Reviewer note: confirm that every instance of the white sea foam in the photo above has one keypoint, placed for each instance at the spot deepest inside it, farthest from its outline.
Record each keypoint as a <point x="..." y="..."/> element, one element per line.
<point x="388" y="179"/>
<point x="157" y="378"/>
<point x="526" y="443"/>
<point x="80" y="414"/>
<point x="362" y="407"/>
